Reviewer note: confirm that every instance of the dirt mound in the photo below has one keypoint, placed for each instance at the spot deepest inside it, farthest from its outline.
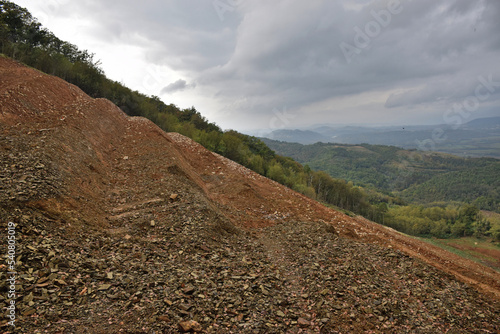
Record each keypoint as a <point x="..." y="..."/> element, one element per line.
<point x="123" y="228"/>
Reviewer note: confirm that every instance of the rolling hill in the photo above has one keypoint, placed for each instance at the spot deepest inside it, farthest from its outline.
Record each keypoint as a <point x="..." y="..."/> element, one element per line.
<point x="416" y="176"/>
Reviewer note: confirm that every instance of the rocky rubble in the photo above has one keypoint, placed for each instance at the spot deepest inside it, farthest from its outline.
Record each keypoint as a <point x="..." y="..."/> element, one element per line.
<point x="25" y="173"/>
<point x="295" y="277"/>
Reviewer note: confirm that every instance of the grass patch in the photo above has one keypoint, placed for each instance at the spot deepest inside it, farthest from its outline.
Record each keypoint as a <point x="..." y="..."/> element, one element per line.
<point x="482" y="251"/>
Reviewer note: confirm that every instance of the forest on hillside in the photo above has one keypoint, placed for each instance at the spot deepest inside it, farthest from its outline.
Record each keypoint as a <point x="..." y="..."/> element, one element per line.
<point x="24" y="39"/>
<point x="420" y="177"/>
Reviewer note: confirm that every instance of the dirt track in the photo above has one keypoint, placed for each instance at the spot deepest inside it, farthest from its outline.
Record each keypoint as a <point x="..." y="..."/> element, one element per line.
<point x="80" y="173"/>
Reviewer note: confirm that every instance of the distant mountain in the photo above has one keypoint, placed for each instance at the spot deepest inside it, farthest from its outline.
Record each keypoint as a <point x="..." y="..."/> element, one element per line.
<point x="484" y="123"/>
<point x="298" y="136"/>
<point x="477" y="138"/>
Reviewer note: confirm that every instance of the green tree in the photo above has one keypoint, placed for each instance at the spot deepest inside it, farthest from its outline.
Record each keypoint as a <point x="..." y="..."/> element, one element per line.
<point x="257" y="164"/>
<point x="276" y="172"/>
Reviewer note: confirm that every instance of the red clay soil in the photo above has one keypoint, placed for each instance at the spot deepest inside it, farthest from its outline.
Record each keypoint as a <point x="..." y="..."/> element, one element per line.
<point x="108" y="167"/>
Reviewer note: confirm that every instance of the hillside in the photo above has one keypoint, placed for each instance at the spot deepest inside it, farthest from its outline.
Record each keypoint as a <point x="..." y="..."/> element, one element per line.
<point x="121" y="227"/>
<point x="416" y="176"/>
<point x="24" y="39"/>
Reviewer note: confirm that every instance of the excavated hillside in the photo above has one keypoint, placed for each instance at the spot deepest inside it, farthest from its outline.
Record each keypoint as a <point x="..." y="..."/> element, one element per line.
<point x="123" y="228"/>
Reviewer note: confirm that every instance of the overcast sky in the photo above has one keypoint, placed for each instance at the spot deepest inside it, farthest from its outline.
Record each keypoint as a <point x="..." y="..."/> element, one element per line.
<point x="255" y="64"/>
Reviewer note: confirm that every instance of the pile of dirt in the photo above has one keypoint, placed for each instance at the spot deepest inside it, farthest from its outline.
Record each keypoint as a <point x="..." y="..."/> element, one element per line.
<point x="123" y="228"/>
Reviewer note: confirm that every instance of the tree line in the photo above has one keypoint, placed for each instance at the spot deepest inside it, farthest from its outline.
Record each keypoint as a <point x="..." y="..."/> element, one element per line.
<point x="440" y="221"/>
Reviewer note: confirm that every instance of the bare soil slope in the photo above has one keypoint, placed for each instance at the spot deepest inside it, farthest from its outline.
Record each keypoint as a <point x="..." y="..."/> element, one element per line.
<point x="123" y="228"/>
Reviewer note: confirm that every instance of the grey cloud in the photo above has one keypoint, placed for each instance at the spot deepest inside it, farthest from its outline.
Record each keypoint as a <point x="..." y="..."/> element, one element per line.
<point x="179" y="85"/>
<point x="270" y="54"/>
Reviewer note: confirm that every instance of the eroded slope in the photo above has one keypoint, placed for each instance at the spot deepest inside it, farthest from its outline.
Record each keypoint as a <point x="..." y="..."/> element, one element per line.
<point x="124" y="228"/>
